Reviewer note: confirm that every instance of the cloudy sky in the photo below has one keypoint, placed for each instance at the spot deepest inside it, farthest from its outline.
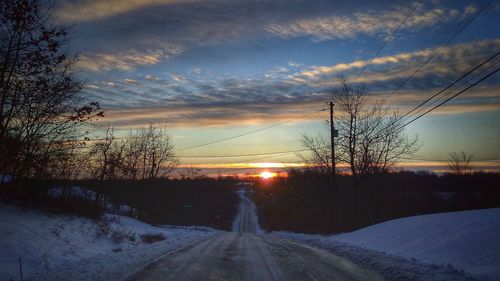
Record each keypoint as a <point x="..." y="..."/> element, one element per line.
<point x="211" y="70"/>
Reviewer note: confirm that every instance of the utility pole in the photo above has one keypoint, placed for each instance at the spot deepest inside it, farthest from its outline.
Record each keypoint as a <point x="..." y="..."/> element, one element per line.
<point x="333" y="134"/>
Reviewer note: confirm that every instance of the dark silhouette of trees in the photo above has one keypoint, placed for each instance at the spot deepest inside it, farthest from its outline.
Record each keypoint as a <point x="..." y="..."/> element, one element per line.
<point x="41" y="111"/>
<point x="460" y="163"/>
<point x="302" y="202"/>
<point x="202" y="201"/>
<point x="191" y="172"/>
<point x="320" y="157"/>
<point x="157" y="152"/>
<point x="105" y="157"/>
<point x="147" y="153"/>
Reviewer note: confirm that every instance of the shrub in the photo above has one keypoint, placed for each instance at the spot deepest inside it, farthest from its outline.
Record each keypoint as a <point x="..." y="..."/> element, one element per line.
<point x="152" y="238"/>
<point x="120" y="236"/>
<point x="77" y="206"/>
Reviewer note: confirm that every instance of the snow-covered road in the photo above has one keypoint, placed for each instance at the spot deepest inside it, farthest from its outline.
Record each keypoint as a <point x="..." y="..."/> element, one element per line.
<point x="246" y="220"/>
<point x="245" y="254"/>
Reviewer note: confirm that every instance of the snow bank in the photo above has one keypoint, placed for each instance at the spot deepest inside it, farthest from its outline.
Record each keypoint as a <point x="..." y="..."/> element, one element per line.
<point x="72" y="191"/>
<point x="468" y="239"/>
<point x="446" y="243"/>
<point x="57" y="247"/>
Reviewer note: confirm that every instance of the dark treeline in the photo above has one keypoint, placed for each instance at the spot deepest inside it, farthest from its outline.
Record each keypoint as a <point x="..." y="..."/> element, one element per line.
<point x="202" y="201"/>
<point x="205" y="201"/>
<point x="315" y="203"/>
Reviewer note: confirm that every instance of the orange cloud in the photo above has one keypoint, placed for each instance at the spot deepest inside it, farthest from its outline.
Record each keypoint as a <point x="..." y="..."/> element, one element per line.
<point x="126" y="60"/>
<point x="210" y="116"/>
<point x="460" y="57"/>
<point x="325" y="28"/>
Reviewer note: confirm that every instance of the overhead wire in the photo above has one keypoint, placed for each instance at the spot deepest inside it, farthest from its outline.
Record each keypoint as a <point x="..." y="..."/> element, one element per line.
<point x="446" y="160"/>
<point x="252" y="132"/>
<point x="448" y="99"/>
<point x="387" y="40"/>
<point x="232" y="171"/>
<point x="246" y="155"/>
<point x="268" y="155"/>
<point x="437" y="51"/>
<point x="449" y="92"/>
<point x="457" y="81"/>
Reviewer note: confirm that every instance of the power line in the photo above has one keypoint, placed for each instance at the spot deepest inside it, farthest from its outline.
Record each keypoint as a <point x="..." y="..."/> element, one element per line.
<point x="418" y="159"/>
<point x="443" y="90"/>
<point x="447" y="160"/>
<point x="221" y="140"/>
<point x="462" y="83"/>
<point x="450" y="98"/>
<point x="449" y="86"/>
<point x="230" y="170"/>
<point x="307" y="167"/>
<point x="439" y="50"/>
<point x="251" y="132"/>
<point x="247" y="155"/>
<point x="233" y="137"/>
<point x="388" y="39"/>
<point x="266" y="157"/>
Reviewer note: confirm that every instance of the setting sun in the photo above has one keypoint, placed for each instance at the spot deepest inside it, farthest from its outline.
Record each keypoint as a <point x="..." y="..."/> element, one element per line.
<point x="267" y="175"/>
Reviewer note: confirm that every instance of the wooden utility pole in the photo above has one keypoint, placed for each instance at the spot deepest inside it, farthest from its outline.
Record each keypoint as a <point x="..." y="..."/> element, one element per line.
<point x="333" y="134"/>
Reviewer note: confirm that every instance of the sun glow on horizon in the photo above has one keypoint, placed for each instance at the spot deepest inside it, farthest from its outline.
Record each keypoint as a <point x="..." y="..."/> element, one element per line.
<point x="267" y="175"/>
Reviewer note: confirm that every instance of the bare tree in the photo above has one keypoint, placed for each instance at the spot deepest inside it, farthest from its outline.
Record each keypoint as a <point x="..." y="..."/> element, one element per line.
<point x="106" y="157"/>
<point x="370" y="139"/>
<point x="191" y="172"/>
<point x="145" y="154"/>
<point x="40" y="107"/>
<point x="351" y="103"/>
<point x="320" y="157"/>
<point x="157" y="158"/>
<point x="132" y="156"/>
<point x="162" y="153"/>
<point x="460" y="163"/>
<point x="70" y="164"/>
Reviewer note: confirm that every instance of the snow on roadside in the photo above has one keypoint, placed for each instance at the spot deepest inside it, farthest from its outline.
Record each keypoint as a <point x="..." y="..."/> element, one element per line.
<point x="391" y="267"/>
<point x="467" y="239"/>
<point x="445" y="246"/>
<point x="61" y="247"/>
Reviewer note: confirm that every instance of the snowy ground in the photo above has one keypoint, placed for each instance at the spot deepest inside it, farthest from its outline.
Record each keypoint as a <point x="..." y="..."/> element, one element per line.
<point x="447" y="246"/>
<point x="456" y="246"/>
<point x="59" y="247"/>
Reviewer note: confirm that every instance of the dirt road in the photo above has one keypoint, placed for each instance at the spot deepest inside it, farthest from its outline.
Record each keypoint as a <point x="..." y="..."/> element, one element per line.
<point x="246" y="255"/>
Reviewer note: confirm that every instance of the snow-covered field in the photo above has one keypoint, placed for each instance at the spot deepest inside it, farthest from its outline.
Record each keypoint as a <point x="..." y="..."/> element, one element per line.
<point x="445" y="246"/>
<point x="60" y="247"/>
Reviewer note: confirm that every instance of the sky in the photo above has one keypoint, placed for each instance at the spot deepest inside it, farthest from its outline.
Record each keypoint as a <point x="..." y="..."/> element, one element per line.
<point x="210" y="70"/>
